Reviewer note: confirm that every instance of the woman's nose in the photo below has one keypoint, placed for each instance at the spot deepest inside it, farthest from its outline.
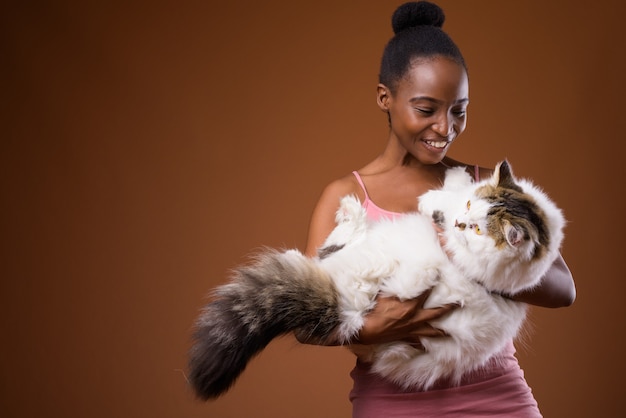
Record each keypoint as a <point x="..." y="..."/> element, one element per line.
<point x="444" y="126"/>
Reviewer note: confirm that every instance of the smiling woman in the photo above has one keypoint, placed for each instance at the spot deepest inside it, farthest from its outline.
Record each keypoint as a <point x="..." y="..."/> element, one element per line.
<point x="428" y="109"/>
<point x="424" y="91"/>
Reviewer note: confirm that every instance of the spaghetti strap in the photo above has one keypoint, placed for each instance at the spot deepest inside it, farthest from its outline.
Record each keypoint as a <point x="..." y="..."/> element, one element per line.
<point x="476" y="173"/>
<point x="374" y="212"/>
<point x="358" y="178"/>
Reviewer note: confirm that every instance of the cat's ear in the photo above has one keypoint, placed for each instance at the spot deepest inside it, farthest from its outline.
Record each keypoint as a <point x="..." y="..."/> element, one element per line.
<point x="514" y="234"/>
<point x="383" y="97"/>
<point x="504" y="176"/>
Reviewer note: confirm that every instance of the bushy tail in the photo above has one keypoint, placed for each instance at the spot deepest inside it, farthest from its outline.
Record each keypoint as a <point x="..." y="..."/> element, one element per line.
<point x="277" y="293"/>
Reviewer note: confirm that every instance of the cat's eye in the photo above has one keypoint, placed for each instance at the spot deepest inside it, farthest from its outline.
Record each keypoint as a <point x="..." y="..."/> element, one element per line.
<point x="469" y="203"/>
<point x="478" y="230"/>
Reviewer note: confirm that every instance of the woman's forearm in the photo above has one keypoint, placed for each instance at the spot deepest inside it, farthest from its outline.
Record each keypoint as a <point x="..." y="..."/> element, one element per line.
<point x="556" y="289"/>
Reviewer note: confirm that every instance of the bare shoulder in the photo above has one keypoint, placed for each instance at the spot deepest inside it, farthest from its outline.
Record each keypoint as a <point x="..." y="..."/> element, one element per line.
<point x="323" y="218"/>
<point x="341" y="187"/>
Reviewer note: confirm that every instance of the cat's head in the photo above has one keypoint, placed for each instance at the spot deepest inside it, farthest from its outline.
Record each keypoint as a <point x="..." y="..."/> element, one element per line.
<point x="503" y="224"/>
<point x="514" y="218"/>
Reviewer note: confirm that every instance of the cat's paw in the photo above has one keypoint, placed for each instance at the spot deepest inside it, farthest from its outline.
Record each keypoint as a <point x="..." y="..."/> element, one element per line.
<point x="351" y="221"/>
<point x="350" y="210"/>
<point x="433" y="201"/>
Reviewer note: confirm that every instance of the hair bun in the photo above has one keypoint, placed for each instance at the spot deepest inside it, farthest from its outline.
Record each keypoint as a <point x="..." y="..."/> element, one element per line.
<point x="417" y="13"/>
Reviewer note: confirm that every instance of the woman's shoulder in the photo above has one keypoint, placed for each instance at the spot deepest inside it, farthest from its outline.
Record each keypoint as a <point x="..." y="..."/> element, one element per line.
<point x="343" y="186"/>
<point x="323" y="217"/>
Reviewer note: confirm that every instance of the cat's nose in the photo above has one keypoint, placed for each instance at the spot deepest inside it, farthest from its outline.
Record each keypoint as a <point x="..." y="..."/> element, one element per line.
<point x="461" y="225"/>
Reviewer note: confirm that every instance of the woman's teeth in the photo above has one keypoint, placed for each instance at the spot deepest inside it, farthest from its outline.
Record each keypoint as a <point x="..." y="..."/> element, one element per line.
<point x="437" y="144"/>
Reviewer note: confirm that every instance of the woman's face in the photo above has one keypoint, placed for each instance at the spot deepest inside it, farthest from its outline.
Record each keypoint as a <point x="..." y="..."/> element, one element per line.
<point x="428" y="109"/>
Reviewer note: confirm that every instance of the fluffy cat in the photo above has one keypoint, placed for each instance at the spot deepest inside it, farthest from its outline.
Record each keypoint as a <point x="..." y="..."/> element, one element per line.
<point x="502" y="234"/>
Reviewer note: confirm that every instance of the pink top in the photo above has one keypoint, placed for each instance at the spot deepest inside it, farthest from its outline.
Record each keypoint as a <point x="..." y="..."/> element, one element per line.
<point x="375" y="212"/>
<point x="497" y="389"/>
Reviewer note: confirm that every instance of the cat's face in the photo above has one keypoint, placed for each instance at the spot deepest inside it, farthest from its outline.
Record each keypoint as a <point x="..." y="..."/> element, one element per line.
<point x="500" y="232"/>
<point x="499" y="216"/>
<point x="470" y="223"/>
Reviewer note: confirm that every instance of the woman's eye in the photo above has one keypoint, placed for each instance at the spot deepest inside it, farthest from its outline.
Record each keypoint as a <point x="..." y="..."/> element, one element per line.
<point x="425" y="110"/>
<point x="459" y="113"/>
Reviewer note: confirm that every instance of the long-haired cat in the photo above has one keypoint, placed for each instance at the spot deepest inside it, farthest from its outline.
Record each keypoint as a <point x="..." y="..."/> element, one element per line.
<point x="502" y="234"/>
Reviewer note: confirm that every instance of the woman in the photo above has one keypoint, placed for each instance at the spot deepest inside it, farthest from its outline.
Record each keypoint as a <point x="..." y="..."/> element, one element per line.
<point x="423" y="90"/>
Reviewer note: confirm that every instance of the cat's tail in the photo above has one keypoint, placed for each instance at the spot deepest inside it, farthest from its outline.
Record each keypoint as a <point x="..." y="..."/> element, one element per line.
<point x="279" y="292"/>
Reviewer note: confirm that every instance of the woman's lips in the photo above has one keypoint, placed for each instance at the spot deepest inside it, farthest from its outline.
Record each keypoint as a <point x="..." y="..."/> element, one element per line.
<point x="437" y="144"/>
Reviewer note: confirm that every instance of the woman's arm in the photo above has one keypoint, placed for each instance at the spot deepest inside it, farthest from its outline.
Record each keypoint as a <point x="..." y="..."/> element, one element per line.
<point x="556" y="289"/>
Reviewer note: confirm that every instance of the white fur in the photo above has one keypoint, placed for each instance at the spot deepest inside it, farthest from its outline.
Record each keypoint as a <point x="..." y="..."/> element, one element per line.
<point x="403" y="257"/>
<point x="398" y="257"/>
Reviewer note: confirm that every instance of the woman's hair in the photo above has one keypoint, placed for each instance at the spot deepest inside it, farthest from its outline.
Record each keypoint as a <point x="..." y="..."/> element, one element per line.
<point x="418" y="35"/>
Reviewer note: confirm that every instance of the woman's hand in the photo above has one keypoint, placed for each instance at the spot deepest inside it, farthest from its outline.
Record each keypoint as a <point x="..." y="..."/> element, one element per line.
<point x="396" y="320"/>
<point x="392" y="320"/>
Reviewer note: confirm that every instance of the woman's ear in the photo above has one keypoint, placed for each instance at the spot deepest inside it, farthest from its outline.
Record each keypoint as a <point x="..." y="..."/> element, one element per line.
<point x="383" y="97"/>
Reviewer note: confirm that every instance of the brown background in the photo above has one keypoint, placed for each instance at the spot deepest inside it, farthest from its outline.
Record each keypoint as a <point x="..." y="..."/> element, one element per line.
<point x="146" y="148"/>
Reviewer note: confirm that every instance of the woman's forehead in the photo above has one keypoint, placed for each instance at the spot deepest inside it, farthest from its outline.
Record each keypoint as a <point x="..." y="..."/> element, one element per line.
<point x="436" y="78"/>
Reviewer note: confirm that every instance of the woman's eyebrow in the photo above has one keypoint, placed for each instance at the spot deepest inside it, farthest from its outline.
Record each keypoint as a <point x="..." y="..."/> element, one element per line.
<point x="432" y="99"/>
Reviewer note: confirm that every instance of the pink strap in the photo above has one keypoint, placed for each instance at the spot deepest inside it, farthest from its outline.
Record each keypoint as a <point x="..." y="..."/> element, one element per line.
<point x="358" y="178"/>
<point x="476" y="173"/>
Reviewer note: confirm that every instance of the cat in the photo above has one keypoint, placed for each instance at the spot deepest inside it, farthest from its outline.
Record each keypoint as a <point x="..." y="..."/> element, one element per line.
<point x="501" y="235"/>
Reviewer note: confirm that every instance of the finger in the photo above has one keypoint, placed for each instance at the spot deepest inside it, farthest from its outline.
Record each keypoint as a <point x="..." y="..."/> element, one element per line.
<point x="440" y="311"/>
<point x="427" y="315"/>
<point x="417" y="345"/>
<point x="427" y="330"/>
<point x="433" y="332"/>
<point x="448" y="308"/>
<point x="415" y="303"/>
<point x="418" y="302"/>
